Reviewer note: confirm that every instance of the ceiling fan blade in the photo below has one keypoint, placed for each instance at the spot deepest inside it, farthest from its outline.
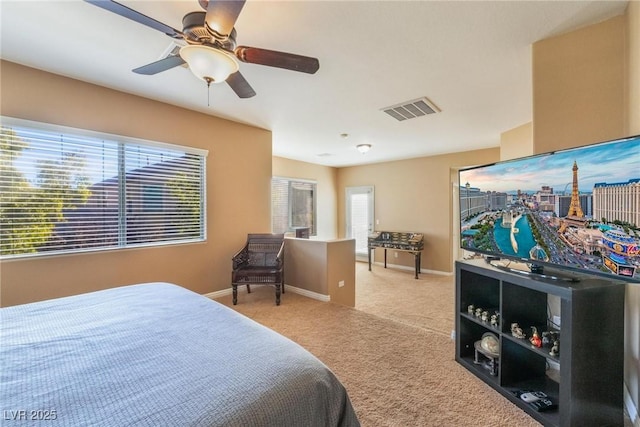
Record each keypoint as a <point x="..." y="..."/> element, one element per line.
<point x="163" y="64"/>
<point x="221" y="16"/>
<point x="122" y="10"/>
<point x="240" y="86"/>
<point x="272" y="58"/>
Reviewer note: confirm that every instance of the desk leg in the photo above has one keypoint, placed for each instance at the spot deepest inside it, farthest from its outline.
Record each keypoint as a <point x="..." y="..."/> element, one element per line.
<point x="417" y="261"/>
<point x="369" y="250"/>
<point x="385" y="257"/>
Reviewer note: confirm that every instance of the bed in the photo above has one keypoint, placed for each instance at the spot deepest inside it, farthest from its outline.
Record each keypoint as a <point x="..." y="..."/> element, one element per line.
<point x="157" y="354"/>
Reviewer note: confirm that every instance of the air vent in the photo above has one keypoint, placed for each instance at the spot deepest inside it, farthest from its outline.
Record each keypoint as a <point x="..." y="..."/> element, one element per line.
<point x="411" y="109"/>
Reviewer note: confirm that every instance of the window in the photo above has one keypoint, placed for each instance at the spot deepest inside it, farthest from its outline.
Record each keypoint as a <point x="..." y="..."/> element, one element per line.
<point x="293" y="204"/>
<point x="68" y="190"/>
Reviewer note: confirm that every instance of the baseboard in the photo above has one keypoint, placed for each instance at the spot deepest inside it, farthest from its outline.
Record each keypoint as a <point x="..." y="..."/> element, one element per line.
<point x="407" y="268"/>
<point x="308" y="294"/>
<point x="218" y="294"/>
<point x="631" y="407"/>
<point x="288" y="288"/>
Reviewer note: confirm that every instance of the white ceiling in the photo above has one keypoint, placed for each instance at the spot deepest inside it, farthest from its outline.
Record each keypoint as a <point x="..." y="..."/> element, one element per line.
<point x="471" y="58"/>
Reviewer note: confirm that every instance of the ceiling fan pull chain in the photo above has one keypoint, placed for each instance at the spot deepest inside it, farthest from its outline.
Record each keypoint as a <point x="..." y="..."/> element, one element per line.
<point x="208" y="80"/>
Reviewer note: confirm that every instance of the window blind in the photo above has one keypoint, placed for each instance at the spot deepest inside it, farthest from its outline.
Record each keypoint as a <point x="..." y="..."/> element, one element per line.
<point x="63" y="192"/>
<point x="360" y="221"/>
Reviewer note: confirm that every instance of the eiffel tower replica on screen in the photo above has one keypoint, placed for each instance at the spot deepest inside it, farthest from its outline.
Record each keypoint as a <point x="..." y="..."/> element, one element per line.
<point x="575" y="216"/>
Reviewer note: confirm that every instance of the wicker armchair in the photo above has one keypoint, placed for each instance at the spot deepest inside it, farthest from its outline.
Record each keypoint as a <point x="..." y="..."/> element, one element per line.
<point x="259" y="262"/>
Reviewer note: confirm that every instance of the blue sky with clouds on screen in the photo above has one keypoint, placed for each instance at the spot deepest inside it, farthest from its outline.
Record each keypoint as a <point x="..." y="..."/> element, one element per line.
<point x="611" y="163"/>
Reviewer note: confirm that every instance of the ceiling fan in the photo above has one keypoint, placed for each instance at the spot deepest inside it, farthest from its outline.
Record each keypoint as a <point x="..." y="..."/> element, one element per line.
<point x="211" y="50"/>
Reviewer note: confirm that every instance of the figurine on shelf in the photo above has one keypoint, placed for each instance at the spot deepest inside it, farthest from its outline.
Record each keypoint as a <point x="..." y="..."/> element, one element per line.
<point x="471" y="309"/>
<point x="555" y="350"/>
<point x="485" y="316"/>
<point x="535" y="338"/>
<point x="517" y="331"/>
<point x="478" y="312"/>
<point x="494" y="320"/>
<point x="549" y="338"/>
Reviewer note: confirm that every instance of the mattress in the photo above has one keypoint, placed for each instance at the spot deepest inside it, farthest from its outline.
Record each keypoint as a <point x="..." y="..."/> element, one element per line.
<point x="157" y="354"/>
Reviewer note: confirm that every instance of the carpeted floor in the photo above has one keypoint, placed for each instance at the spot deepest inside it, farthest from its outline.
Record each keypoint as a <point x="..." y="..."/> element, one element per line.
<point x="393" y="352"/>
<point x="426" y="302"/>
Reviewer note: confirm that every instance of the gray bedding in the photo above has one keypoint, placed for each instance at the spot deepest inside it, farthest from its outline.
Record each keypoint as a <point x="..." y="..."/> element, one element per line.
<point x="157" y="355"/>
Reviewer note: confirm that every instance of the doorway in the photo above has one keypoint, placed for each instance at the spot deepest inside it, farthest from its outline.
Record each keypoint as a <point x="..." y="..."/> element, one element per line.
<point x="359" y="217"/>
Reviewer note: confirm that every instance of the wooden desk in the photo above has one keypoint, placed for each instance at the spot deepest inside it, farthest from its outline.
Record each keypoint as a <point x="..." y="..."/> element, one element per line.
<point x="412" y="243"/>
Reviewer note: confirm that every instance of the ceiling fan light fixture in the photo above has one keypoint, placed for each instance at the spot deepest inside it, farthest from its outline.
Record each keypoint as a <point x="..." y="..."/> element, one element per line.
<point x="209" y="64"/>
<point x="363" y="148"/>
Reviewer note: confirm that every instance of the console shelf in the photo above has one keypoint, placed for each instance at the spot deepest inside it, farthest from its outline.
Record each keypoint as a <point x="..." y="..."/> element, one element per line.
<point x="588" y="387"/>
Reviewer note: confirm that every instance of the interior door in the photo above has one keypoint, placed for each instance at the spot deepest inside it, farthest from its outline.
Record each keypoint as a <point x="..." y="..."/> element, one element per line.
<point x="359" y="217"/>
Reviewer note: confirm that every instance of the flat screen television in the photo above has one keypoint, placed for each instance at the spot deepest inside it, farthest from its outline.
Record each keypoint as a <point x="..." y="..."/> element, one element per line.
<point x="576" y="209"/>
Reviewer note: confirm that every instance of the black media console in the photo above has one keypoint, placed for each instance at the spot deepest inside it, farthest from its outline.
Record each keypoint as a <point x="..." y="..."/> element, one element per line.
<point x="587" y="389"/>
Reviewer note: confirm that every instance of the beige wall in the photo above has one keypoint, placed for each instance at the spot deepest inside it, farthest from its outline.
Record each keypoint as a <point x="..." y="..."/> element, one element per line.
<point x="517" y="142"/>
<point x="578" y="87"/>
<point x="587" y="89"/>
<point x="319" y="265"/>
<point x="238" y="202"/>
<point x="326" y="178"/>
<point x="632" y="309"/>
<point x="414" y="195"/>
<point x="400" y="203"/>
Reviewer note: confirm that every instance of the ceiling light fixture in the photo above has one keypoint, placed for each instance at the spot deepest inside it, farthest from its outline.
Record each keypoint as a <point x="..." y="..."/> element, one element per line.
<point x="209" y="64"/>
<point x="363" y="148"/>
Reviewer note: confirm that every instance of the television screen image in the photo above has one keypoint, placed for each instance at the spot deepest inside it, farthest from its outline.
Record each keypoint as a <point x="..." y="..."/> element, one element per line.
<point x="577" y="208"/>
